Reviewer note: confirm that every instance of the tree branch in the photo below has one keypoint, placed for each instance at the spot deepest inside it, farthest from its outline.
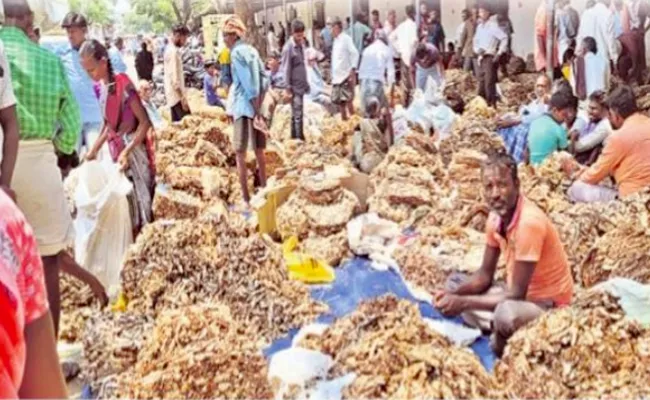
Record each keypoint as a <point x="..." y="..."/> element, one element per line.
<point x="179" y="17"/>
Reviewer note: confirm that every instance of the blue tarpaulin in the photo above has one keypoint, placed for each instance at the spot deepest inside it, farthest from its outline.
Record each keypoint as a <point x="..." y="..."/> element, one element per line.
<point x="357" y="281"/>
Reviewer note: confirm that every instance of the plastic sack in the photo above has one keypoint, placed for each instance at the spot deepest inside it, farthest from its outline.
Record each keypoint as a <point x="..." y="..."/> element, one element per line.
<point x="400" y="123"/>
<point x="103" y="222"/>
<point x="442" y="118"/>
<point x="459" y="334"/>
<point x="303" y="267"/>
<point x="433" y="91"/>
<point x="634" y="297"/>
<point x="417" y="112"/>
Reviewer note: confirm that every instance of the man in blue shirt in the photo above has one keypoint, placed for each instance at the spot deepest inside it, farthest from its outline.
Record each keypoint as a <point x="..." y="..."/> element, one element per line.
<point x="210" y="84"/>
<point x="82" y="86"/>
<point x="247" y="93"/>
<point x="115" y="54"/>
<point x="326" y="36"/>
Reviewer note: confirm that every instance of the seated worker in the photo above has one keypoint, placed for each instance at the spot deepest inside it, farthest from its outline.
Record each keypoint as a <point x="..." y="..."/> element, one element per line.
<point x="319" y="91"/>
<point x="586" y="144"/>
<point x="210" y="85"/>
<point x="274" y="95"/>
<point x="514" y="128"/>
<point x="538" y="276"/>
<point x="144" y="91"/>
<point x="546" y="134"/>
<point x="426" y="62"/>
<point x="373" y="137"/>
<point x="625" y="156"/>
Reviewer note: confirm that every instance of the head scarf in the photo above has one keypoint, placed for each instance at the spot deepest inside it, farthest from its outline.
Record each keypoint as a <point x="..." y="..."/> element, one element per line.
<point x="235" y="25"/>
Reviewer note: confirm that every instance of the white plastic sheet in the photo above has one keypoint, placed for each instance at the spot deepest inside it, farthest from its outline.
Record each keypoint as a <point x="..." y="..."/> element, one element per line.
<point x="634" y="297"/>
<point x="103" y="222"/>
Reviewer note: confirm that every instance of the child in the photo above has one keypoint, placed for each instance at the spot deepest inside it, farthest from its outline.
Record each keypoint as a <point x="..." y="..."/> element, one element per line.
<point x="210" y="84"/>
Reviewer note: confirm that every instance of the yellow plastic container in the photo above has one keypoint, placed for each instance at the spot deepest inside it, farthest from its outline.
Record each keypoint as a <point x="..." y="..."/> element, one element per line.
<point x="303" y="267"/>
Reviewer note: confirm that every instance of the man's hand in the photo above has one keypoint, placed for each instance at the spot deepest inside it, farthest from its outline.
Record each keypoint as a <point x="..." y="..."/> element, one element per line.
<point x="287" y="95"/>
<point x="353" y="79"/>
<point x="91" y="155"/>
<point x="9" y="192"/>
<point x="569" y="166"/>
<point x="574" y="135"/>
<point x="185" y="105"/>
<point x="99" y="291"/>
<point x="449" y="305"/>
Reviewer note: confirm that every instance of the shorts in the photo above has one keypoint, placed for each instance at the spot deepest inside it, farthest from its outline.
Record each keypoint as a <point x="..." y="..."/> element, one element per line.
<point x="342" y="93"/>
<point x="178" y="113"/>
<point x="243" y="131"/>
<point x="372" y="88"/>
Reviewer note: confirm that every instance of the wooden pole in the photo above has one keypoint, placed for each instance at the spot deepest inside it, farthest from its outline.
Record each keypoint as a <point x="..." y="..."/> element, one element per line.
<point x="550" y="37"/>
<point x="352" y="19"/>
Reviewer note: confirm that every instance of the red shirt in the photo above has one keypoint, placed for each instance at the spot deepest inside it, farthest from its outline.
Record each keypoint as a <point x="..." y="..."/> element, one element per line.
<point x="23" y="297"/>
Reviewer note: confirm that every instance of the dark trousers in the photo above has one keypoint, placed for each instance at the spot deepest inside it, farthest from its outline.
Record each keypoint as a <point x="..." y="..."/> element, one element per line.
<point x="297" y="106"/>
<point x="487" y="79"/>
<point x="178" y="113"/>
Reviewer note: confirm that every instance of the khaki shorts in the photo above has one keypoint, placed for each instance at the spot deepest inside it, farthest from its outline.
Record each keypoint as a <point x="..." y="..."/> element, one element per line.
<point x="244" y="132"/>
<point x="342" y="93"/>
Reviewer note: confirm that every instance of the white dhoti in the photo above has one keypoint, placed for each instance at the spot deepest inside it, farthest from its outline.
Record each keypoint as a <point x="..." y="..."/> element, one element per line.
<point x="39" y="192"/>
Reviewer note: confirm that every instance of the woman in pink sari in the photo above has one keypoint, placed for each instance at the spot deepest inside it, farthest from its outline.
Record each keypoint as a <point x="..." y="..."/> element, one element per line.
<point x="126" y="125"/>
<point x="29" y="365"/>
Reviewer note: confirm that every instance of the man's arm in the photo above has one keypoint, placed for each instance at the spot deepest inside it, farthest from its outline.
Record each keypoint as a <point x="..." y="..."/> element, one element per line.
<point x="9" y="122"/>
<point x="480" y="281"/>
<point x="285" y="65"/>
<point x="42" y="377"/>
<point x="354" y="53"/>
<point x="521" y="276"/>
<point x="502" y="37"/>
<point x="463" y="39"/>
<point x="390" y="70"/>
<point x="69" y="117"/>
<point x="605" y="165"/>
<point x="592" y="140"/>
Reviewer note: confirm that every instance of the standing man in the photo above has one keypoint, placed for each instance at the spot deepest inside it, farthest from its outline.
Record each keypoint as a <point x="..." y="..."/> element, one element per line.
<point x="377" y="70"/>
<point x="282" y="35"/>
<point x="537" y="270"/>
<point x="436" y="33"/>
<point x="466" y="40"/>
<point x="639" y="12"/>
<point x="115" y="54"/>
<point x="44" y="101"/>
<point x="375" y="22"/>
<point x="9" y="136"/>
<point x="247" y="95"/>
<point x="144" y="63"/>
<point x="426" y="62"/>
<point x="76" y="26"/>
<point x="490" y="42"/>
<point x="567" y="21"/>
<point x="598" y="22"/>
<point x="345" y="59"/>
<point x="389" y="26"/>
<point x="175" y="91"/>
<point x="362" y="33"/>
<point x="405" y="38"/>
<point x="295" y="75"/>
<point x="326" y="37"/>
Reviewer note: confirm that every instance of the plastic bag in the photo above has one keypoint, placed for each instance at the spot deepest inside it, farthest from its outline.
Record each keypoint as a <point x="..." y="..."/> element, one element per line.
<point x="417" y="112"/>
<point x="433" y="91"/>
<point x="442" y="118"/>
<point x="103" y="223"/>
<point x="304" y="267"/>
<point x="634" y="297"/>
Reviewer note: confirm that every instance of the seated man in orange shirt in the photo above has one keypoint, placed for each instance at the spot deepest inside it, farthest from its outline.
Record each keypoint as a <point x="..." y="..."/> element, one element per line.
<point x="538" y="276"/>
<point x="625" y="157"/>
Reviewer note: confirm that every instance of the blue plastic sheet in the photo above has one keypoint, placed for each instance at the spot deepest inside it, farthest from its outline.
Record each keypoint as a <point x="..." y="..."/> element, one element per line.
<point x="357" y="281"/>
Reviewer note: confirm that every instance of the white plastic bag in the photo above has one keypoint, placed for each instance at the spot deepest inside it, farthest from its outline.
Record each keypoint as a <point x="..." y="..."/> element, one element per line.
<point x="103" y="223"/>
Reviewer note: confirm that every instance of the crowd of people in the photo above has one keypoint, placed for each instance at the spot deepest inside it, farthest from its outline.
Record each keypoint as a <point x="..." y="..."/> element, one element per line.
<point x="55" y="108"/>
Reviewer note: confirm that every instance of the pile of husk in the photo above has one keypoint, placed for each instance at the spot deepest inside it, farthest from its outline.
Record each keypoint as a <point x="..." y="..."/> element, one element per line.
<point x="194" y="142"/>
<point x="319" y="128"/>
<point x="587" y="350"/>
<point x="516" y="66"/>
<point x="198" y="352"/>
<point x="394" y="354"/>
<point x="517" y="90"/>
<point x="78" y="304"/>
<point x="623" y="251"/>
<point x="178" y="263"/>
<point x="304" y="160"/>
<point x="317" y="213"/>
<point x="474" y="132"/>
<point x="546" y="185"/>
<point x="460" y="82"/>
<point x="643" y="97"/>
<point x="111" y="344"/>
<point x="408" y="179"/>
<point x="199" y="107"/>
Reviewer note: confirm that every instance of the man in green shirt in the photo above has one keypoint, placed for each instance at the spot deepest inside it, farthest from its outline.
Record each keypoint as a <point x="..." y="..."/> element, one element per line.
<point x="49" y="122"/>
<point x="546" y="134"/>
